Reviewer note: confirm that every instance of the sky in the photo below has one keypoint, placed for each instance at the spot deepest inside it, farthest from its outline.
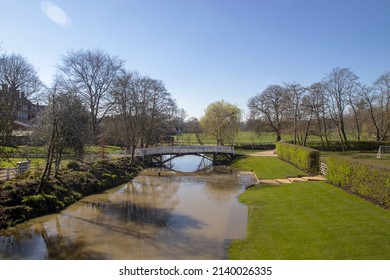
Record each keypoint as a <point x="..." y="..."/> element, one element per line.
<point x="207" y="50"/>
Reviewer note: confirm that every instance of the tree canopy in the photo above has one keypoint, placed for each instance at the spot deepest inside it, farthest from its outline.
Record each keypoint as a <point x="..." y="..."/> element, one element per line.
<point x="222" y="120"/>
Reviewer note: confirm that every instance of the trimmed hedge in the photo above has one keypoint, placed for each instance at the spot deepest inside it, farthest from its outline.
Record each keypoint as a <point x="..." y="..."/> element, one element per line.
<point x="364" y="180"/>
<point x="304" y="158"/>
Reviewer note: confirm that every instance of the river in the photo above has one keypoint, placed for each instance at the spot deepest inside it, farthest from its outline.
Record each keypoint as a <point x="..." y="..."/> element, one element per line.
<point x="160" y="214"/>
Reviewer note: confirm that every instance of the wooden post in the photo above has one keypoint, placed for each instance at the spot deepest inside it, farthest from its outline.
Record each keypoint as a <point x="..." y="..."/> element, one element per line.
<point x="8" y="173"/>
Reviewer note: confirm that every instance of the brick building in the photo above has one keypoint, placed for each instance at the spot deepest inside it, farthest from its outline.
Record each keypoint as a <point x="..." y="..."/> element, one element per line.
<point x="14" y="105"/>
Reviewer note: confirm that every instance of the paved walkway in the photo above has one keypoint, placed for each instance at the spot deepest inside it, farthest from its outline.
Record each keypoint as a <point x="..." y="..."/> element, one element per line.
<point x="270" y="153"/>
<point x="289" y="180"/>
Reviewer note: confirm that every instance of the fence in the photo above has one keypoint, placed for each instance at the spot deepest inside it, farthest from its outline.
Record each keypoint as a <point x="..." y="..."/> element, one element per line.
<point x="323" y="168"/>
<point x="7" y="174"/>
<point x="10" y="173"/>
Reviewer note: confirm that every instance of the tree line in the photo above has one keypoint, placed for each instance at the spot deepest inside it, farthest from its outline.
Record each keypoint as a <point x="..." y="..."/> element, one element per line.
<point x="338" y="102"/>
<point x="93" y="99"/>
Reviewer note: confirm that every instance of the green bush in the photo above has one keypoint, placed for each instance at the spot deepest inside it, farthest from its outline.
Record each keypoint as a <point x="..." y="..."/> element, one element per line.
<point x="43" y="203"/>
<point x="304" y="158"/>
<point x="364" y="180"/>
<point x="73" y="165"/>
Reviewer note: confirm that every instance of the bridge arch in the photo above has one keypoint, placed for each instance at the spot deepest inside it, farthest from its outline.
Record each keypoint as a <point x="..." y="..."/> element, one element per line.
<point x="155" y="155"/>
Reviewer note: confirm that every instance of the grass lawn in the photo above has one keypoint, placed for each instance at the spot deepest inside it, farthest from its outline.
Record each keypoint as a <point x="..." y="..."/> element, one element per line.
<point x="267" y="167"/>
<point x="312" y="220"/>
<point x="35" y="162"/>
<point x="367" y="158"/>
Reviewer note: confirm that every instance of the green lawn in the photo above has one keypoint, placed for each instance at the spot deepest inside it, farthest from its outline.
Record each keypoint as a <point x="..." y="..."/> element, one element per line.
<point x="367" y="158"/>
<point x="267" y="167"/>
<point x="243" y="137"/>
<point x="312" y="220"/>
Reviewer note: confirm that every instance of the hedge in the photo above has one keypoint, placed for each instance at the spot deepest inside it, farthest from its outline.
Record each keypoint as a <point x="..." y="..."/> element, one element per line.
<point x="362" y="179"/>
<point x="304" y="158"/>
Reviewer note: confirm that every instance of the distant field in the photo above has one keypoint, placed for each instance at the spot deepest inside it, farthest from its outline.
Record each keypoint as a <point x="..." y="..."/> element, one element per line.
<point x="243" y="137"/>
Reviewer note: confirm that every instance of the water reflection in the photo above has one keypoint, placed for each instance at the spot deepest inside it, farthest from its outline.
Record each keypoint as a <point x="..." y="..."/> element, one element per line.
<point x="152" y="217"/>
<point x="189" y="163"/>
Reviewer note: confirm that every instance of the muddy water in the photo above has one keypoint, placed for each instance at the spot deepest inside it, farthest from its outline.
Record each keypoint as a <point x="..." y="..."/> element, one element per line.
<point x="173" y="216"/>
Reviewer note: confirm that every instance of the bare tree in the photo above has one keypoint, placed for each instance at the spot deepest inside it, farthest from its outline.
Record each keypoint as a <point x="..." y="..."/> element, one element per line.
<point x="195" y="127"/>
<point x="19" y="74"/>
<point x="319" y="106"/>
<point x="339" y="84"/>
<point x="21" y="79"/>
<point x="131" y="105"/>
<point x="90" y="74"/>
<point x="294" y="94"/>
<point x="271" y="107"/>
<point x="61" y="125"/>
<point x="358" y="109"/>
<point x="379" y="104"/>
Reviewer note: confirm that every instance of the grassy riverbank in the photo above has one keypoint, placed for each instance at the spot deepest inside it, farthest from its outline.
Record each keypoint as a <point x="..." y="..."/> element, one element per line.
<point x="20" y="199"/>
<point x="267" y="167"/>
<point x="309" y="220"/>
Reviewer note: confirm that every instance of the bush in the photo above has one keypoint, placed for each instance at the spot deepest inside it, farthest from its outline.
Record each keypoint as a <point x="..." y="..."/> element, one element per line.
<point x="362" y="179"/>
<point x="73" y="165"/>
<point x="43" y="203"/>
<point x="304" y="158"/>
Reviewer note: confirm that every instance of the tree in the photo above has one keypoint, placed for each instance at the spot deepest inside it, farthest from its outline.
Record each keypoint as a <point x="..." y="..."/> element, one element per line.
<point x="379" y="103"/>
<point x="339" y="85"/>
<point x="62" y="125"/>
<point x="271" y="107"/>
<point x="145" y="108"/>
<point x="193" y="126"/>
<point x="21" y="79"/>
<point x="90" y="74"/>
<point x="294" y="94"/>
<point x="222" y="120"/>
<point x="131" y="106"/>
<point x="19" y="74"/>
<point x="319" y="106"/>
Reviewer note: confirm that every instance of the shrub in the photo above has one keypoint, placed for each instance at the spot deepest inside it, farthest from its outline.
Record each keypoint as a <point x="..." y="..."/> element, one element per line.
<point x="42" y="203"/>
<point x="304" y="158"/>
<point x="362" y="179"/>
<point x="73" y="165"/>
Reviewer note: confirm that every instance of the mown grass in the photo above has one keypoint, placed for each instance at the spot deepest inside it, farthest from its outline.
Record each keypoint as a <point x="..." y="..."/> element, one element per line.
<point x="367" y="158"/>
<point x="312" y="220"/>
<point x="244" y="137"/>
<point x="267" y="167"/>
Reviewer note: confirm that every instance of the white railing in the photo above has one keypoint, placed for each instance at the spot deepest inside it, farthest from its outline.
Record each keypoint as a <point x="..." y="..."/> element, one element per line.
<point x="323" y="168"/>
<point x="166" y="150"/>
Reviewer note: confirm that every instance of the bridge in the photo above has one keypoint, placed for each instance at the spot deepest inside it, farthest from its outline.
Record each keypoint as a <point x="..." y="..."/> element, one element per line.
<point x="155" y="155"/>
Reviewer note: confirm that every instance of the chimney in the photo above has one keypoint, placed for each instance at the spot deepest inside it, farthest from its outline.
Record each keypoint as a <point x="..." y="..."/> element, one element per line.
<point x="4" y="88"/>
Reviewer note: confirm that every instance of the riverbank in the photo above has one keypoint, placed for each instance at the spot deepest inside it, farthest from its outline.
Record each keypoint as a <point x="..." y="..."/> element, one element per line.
<point x="20" y="200"/>
<point x="307" y="220"/>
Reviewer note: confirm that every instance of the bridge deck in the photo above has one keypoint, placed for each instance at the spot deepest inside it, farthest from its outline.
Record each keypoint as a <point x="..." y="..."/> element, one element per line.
<point x="183" y="150"/>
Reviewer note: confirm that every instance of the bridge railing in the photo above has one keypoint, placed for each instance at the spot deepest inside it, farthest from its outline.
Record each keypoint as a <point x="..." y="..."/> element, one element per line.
<point x="166" y="150"/>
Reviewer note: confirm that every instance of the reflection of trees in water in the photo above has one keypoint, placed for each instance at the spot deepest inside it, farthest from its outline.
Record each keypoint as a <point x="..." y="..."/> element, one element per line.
<point x="222" y="188"/>
<point x="143" y="200"/>
<point x="26" y="242"/>
<point x="138" y="211"/>
<point x="61" y="247"/>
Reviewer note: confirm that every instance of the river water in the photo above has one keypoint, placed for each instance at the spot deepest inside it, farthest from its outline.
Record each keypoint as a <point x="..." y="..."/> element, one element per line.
<point x="171" y="216"/>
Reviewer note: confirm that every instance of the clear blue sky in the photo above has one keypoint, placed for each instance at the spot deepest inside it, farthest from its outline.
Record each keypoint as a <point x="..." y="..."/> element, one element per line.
<point x="207" y="50"/>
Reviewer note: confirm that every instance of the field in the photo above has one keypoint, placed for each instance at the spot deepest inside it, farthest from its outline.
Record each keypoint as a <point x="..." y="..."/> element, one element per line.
<point x="243" y="137"/>
<point x="367" y="158"/>
<point x="308" y="220"/>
